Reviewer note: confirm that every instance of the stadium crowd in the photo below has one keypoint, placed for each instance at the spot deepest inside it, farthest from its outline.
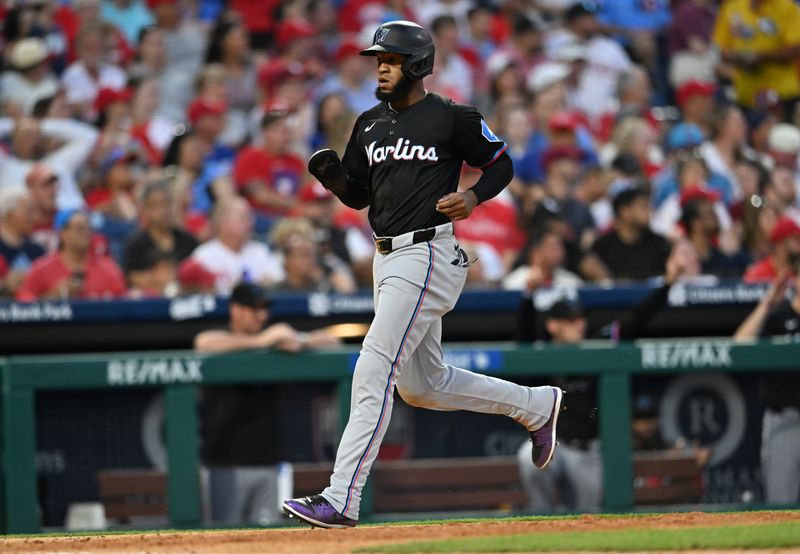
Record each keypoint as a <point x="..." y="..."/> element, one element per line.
<point x="157" y="148"/>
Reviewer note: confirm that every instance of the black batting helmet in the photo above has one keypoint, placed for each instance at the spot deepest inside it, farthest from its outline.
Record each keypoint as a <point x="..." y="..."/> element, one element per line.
<point x="405" y="37"/>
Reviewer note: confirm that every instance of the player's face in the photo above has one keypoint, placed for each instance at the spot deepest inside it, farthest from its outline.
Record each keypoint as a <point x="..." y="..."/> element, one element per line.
<point x="392" y="84"/>
<point x="567" y="331"/>
<point x="247" y="319"/>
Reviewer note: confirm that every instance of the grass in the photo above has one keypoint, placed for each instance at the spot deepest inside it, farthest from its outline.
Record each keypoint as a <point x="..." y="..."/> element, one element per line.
<point x="770" y="535"/>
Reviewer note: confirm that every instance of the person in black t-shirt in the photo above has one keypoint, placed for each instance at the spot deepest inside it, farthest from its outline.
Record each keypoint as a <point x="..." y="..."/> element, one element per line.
<point x="158" y="235"/>
<point x="701" y="225"/>
<point x="780" y="439"/>
<point x="239" y="421"/>
<point x="630" y="250"/>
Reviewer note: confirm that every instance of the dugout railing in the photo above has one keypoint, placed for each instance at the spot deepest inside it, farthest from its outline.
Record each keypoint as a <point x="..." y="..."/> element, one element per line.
<point x="179" y="373"/>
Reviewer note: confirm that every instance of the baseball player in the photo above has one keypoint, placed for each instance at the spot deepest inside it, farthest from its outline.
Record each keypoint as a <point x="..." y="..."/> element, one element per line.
<point x="403" y="160"/>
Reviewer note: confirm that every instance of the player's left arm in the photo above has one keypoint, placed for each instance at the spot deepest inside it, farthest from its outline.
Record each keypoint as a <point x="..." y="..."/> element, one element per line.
<point x="479" y="147"/>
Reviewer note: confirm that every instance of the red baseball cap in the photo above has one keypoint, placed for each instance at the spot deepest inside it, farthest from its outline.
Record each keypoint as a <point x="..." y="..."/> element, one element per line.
<point x="152" y="4"/>
<point x="555" y="153"/>
<point x="292" y="30"/>
<point x="201" y="107"/>
<point x="107" y="96"/>
<point x="698" y="193"/>
<point x="314" y="192"/>
<point x="563" y="121"/>
<point x="346" y="49"/>
<point x="276" y="72"/>
<point x="191" y="273"/>
<point x="690" y="89"/>
<point x="784" y="228"/>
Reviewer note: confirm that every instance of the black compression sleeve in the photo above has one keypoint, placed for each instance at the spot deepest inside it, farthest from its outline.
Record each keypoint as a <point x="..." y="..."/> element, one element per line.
<point x="630" y="328"/>
<point x="494" y="179"/>
<point x="354" y="196"/>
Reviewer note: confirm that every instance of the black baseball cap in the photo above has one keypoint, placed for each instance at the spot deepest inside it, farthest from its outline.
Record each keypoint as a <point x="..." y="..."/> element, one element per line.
<point x="565" y="309"/>
<point x="250" y="294"/>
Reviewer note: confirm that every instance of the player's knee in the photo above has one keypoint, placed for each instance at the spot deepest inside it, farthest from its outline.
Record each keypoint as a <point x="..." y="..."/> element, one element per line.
<point x="373" y="356"/>
<point x="414" y="396"/>
<point x="371" y="364"/>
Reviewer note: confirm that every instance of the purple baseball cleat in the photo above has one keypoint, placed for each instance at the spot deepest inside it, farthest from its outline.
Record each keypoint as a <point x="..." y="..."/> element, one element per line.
<point x="544" y="438"/>
<point x="318" y="512"/>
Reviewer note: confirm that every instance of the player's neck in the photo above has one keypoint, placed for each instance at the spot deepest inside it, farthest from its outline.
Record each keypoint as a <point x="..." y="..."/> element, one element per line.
<point x="416" y="94"/>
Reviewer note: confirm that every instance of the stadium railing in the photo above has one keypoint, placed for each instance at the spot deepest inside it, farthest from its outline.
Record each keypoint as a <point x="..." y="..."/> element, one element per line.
<point x="178" y="373"/>
<point x="53" y="326"/>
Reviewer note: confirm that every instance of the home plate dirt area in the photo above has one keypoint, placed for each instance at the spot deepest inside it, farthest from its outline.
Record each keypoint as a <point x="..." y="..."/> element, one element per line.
<point x="301" y="539"/>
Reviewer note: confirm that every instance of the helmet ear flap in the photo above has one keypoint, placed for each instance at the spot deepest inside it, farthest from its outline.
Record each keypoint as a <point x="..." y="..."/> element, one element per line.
<point x="418" y="65"/>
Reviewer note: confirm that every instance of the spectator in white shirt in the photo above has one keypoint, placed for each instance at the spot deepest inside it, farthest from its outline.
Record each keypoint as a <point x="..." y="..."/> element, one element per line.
<point x="186" y="39"/>
<point x="89" y="73"/>
<point x="728" y="142"/>
<point x="605" y="58"/>
<point x="453" y="75"/>
<point x="232" y="256"/>
<point x="28" y="136"/>
<point x="30" y="80"/>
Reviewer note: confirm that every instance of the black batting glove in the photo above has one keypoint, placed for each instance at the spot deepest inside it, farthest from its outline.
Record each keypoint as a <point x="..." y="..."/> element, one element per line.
<point x="326" y="166"/>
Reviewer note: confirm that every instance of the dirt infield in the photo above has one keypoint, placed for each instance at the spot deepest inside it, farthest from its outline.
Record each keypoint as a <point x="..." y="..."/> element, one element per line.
<point x="297" y="540"/>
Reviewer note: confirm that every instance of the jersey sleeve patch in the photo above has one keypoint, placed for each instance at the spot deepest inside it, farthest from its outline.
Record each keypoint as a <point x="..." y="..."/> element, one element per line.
<point x="488" y="134"/>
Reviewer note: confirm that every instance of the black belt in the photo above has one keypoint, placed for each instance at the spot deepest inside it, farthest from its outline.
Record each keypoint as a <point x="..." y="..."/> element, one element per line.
<point x="385" y="244"/>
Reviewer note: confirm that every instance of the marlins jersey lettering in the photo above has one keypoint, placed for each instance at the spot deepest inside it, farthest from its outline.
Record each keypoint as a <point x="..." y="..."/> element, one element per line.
<point x="408" y="160"/>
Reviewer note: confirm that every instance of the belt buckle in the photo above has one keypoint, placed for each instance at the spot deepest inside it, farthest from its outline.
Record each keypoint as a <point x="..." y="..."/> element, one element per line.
<point x="384" y="245"/>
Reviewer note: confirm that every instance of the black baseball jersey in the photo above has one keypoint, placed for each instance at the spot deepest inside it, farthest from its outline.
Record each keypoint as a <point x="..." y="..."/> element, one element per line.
<point x="781" y="389"/>
<point x="408" y="159"/>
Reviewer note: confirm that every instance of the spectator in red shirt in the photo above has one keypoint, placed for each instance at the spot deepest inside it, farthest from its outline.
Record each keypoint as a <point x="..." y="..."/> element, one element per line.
<point x="493" y="230"/>
<point x="785" y="256"/>
<point x="3" y="273"/>
<point x="270" y="176"/>
<point x="257" y="15"/>
<point x="72" y="272"/>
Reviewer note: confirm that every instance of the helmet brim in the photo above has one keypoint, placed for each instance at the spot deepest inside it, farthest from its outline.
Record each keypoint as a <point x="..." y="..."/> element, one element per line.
<point x="372" y="50"/>
<point x="376" y="48"/>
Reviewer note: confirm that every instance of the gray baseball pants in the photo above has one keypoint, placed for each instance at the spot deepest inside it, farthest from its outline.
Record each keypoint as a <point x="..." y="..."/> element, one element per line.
<point x="414" y="287"/>
<point x="780" y="455"/>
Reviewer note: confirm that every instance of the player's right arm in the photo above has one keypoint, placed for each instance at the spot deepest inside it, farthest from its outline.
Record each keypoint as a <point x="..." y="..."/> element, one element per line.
<point x="753" y="325"/>
<point x="346" y="178"/>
